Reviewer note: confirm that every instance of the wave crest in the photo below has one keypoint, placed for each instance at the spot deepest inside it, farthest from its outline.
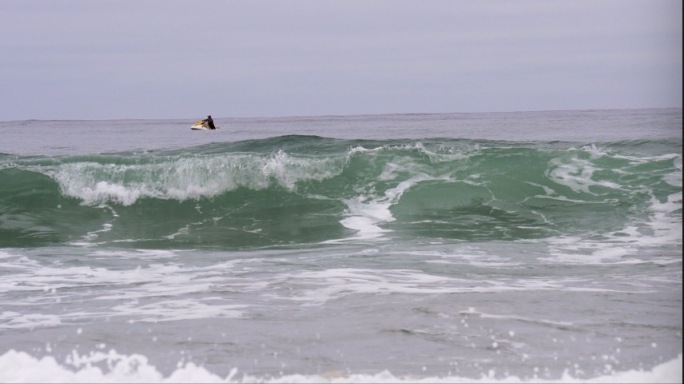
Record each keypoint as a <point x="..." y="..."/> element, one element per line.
<point x="183" y="178"/>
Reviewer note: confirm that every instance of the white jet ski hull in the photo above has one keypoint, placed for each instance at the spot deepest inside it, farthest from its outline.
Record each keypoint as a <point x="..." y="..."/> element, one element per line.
<point x="201" y="126"/>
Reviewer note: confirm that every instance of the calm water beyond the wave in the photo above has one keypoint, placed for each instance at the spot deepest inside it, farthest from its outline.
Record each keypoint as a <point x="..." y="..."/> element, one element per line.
<point x="532" y="246"/>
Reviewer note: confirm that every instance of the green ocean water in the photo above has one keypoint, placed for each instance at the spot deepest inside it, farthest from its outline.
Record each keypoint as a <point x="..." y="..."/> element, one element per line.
<point x="301" y="189"/>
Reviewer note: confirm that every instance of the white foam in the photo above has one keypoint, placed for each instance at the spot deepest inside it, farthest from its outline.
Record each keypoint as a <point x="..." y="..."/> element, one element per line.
<point x="150" y="293"/>
<point x="473" y="312"/>
<point x="675" y="178"/>
<point x="663" y="224"/>
<point x="366" y="214"/>
<point x="289" y="170"/>
<point x="14" y="320"/>
<point x="666" y="228"/>
<point x="622" y="246"/>
<point x="364" y="217"/>
<point x="576" y="174"/>
<point x="189" y="177"/>
<point x="4" y="254"/>
<point x="100" y="367"/>
<point x="315" y="288"/>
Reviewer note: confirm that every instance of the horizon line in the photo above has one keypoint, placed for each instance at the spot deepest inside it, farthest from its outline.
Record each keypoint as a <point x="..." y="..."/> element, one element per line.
<point x="347" y="115"/>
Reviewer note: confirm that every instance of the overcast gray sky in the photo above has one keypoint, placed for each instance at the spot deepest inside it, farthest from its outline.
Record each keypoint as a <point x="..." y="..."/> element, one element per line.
<point x="185" y="59"/>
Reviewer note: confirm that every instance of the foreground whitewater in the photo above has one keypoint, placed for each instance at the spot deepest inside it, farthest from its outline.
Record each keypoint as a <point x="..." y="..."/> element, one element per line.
<point x="21" y="367"/>
<point x="515" y="247"/>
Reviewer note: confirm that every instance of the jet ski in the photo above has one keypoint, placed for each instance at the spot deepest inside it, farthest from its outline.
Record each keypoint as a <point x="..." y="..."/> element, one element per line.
<point x="201" y="125"/>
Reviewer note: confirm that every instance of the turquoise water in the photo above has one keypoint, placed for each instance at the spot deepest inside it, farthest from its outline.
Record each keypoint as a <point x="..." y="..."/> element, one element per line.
<point x="308" y="190"/>
<point x="447" y="247"/>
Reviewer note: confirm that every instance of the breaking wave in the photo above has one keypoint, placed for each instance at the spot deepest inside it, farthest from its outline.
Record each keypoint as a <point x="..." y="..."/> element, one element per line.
<point x="308" y="189"/>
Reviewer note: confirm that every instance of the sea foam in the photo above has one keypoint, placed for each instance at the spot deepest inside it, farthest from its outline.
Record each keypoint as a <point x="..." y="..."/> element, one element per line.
<point x="111" y="367"/>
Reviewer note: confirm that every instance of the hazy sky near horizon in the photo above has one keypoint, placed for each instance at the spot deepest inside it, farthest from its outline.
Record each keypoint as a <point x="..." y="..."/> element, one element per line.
<point x="94" y="59"/>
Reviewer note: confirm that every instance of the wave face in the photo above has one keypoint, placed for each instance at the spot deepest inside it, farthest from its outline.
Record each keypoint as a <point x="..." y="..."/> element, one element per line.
<point x="294" y="190"/>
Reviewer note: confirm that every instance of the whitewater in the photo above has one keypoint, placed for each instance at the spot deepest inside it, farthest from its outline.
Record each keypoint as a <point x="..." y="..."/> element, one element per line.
<point x="481" y="247"/>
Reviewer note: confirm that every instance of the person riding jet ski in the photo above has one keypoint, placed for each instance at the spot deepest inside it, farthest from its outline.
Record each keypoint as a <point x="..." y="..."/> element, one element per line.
<point x="209" y="121"/>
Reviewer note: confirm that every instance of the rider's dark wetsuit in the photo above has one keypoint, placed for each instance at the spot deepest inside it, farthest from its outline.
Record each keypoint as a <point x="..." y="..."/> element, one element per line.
<point x="210" y="122"/>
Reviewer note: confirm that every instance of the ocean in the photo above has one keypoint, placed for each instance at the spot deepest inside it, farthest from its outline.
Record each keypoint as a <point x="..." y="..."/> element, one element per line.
<point x="489" y="247"/>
